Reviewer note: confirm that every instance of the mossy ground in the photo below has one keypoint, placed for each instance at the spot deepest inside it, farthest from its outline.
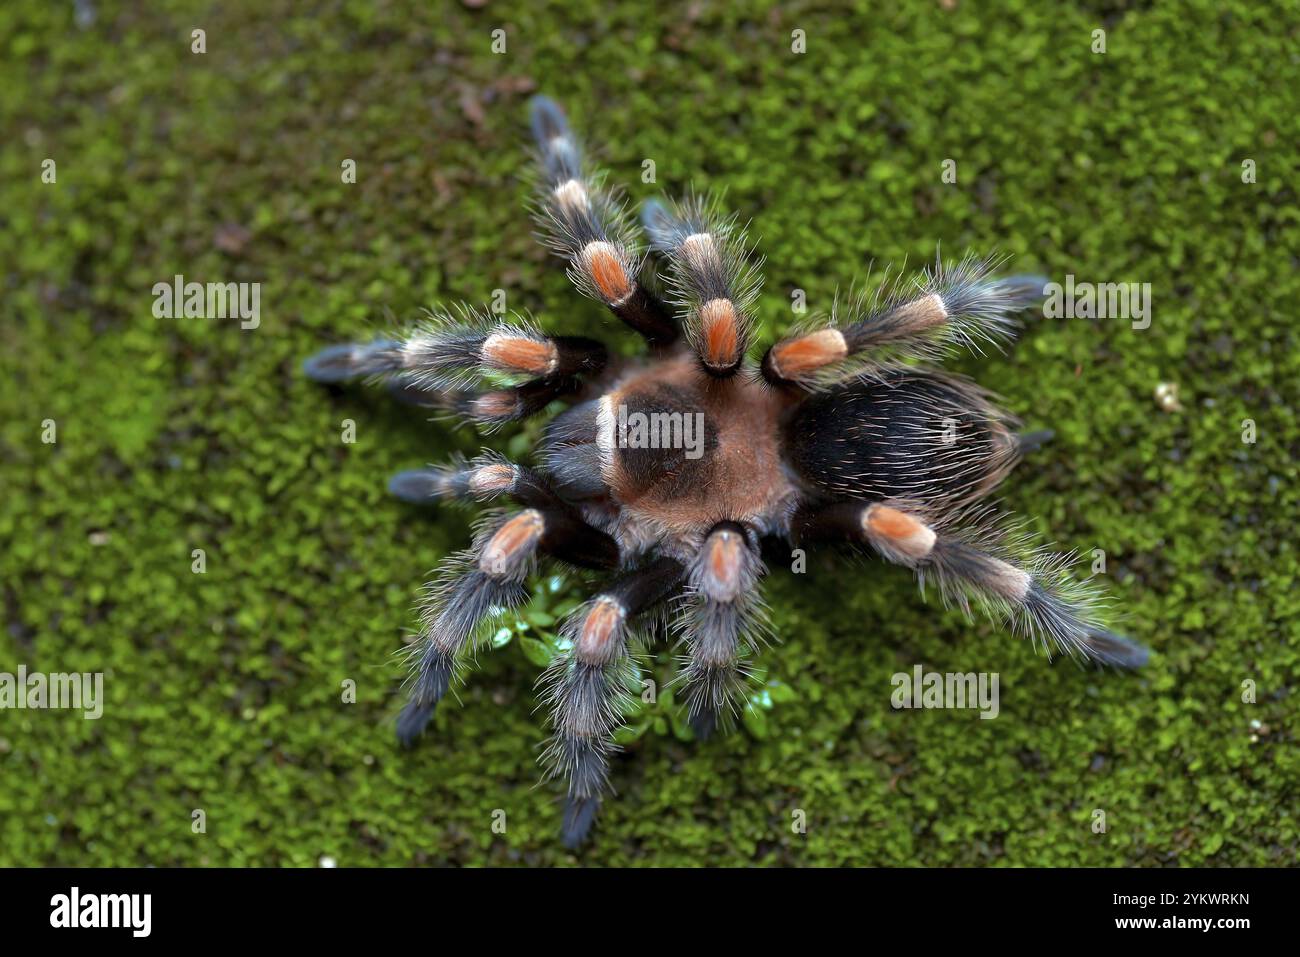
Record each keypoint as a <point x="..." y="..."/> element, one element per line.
<point x="224" y="689"/>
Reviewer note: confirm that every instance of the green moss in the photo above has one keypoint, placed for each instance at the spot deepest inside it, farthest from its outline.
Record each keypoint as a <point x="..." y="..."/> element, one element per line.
<point x="224" y="689"/>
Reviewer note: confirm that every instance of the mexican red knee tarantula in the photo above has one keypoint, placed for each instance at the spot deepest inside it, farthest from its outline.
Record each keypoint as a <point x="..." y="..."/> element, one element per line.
<point x="835" y="437"/>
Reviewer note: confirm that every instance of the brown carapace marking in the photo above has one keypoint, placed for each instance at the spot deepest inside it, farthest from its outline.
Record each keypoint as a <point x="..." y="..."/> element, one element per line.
<point x="603" y="621"/>
<point x="520" y="354"/>
<point x="921" y="314"/>
<point x="491" y="479"/>
<point x="903" y="533"/>
<point x="607" y="272"/>
<point x="798" y="357"/>
<point x="494" y="405"/>
<point x="512" y="544"/>
<point x="723" y="558"/>
<point x="741" y="478"/>
<point x="720" y="328"/>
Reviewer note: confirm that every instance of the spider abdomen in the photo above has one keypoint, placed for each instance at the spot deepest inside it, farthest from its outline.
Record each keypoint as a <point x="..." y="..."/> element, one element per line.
<point x="903" y="435"/>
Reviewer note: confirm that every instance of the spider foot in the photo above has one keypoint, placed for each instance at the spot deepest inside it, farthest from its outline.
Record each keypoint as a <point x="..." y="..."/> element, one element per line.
<point x="704" y="723"/>
<point x="340" y="363"/>
<point x="412" y="722"/>
<point x="1033" y="441"/>
<point x="1109" y="648"/>
<point x="579" y="815"/>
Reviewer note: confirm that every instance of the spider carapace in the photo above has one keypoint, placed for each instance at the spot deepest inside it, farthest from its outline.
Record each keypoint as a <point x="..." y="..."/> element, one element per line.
<point x="666" y="473"/>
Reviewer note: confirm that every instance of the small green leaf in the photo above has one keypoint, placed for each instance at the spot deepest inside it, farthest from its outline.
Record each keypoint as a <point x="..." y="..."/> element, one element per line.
<point x="781" y="692"/>
<point x="535" y="651"/>
<point x="682" y="730"/>
<point x="502" y="637"/>
<point x="755" y="722"/>
<point x="539" y="618"/>
<point x="519" y="446"/>
<point x="630" y="732"/>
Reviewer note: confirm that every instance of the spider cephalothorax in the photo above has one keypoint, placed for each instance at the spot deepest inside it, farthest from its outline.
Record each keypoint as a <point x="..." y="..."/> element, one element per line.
<point x="668" y="471"/>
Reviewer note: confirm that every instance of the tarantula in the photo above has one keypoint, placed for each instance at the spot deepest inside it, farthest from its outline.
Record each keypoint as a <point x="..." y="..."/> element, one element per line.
<point x="670" y="469"/>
